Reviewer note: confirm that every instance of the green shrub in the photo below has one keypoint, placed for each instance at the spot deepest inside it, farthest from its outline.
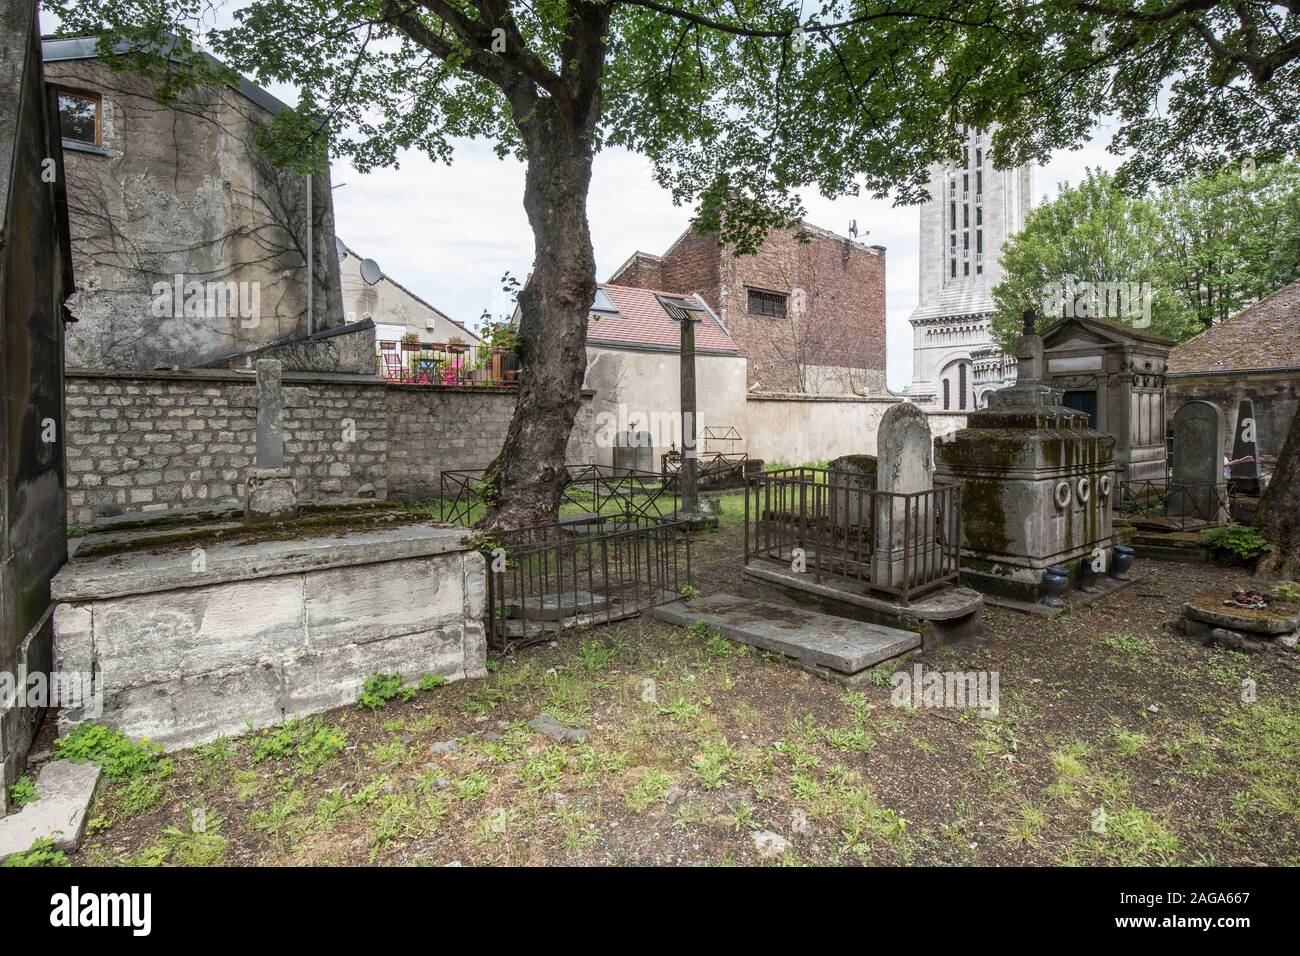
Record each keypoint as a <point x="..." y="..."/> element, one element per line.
<point x="119" y="758"/>
<point x="23" y="792"/>
<point x="1236" y="540"/>
<point x="40" y="853"/>
<point x="379" y="689"/>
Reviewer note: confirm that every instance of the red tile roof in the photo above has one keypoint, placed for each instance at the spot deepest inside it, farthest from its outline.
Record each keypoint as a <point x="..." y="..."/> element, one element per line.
<point x="642" y="322"/>
<point x="1263" y="335"/>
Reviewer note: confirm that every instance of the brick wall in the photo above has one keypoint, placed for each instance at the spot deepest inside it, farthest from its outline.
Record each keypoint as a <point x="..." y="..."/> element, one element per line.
<point x="147" y="442"/>
<point x="839" y="342"/>
<point x="642" y="271"/>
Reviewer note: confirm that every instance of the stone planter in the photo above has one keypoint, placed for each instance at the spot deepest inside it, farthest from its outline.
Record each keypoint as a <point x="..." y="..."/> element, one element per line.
<point x="1121" y="559"/>
<point x="1055" y="582"/>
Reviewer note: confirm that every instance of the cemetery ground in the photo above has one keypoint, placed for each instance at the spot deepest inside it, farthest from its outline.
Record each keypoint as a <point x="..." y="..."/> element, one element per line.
<point x="1117" y="742"/>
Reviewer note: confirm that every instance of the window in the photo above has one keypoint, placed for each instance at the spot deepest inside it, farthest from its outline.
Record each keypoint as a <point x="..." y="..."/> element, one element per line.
<point x="947" y="391"/>
<point x="602" y="304"/>
<point x="979" y="157"/>
<point x="979" y="215"/>
<point x="965" y="268"/>
<point x="979" y="240"/>
<point x="953" y="220"/>
<point x="965" y="182"/>
<point x="979" y="182"/>
<point x="80" y="116"/>
<point x="962" y="373"/>
<point x="954" y="268"/>
<point x="965" y="215"/>
<point x="771" y="304"/>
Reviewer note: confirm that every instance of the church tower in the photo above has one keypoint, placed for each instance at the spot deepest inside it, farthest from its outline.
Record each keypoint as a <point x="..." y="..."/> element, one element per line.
<point x="973" y="209"/>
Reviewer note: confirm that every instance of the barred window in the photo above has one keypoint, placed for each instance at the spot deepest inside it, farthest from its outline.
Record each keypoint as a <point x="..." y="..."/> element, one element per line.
<point x="771" y="304"/>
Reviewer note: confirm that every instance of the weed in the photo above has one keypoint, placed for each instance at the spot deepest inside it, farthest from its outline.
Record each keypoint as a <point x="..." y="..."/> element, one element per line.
<point x="119" y="758"/>
<point x="40" y="853"/>
<point x="648" y="790"/>
<point x="23" y="792"/>
<point x="380" y="689"/>
<point x="430" y="682"/>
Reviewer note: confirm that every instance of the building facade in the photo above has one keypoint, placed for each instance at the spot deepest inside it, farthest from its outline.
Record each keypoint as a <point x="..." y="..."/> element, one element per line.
<point x="973" y="209"/>
<point x="807" y="311"/>
<point x="190" y="247"/>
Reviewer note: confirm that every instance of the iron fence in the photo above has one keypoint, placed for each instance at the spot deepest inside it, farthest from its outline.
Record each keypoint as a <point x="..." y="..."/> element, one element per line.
<point x="419" y="363"/>
<point x="599" y="491"/>
<point x="551" y="578"/>
<point x="1176" y="505"/>
<point x="835" y="524"/>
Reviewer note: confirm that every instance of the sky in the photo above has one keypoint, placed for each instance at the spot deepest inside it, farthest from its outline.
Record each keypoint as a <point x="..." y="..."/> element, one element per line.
<point x="450" y="232"/>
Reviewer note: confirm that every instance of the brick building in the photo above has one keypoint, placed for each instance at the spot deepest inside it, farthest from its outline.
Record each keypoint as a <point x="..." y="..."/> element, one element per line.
<point x="807" y="310"/>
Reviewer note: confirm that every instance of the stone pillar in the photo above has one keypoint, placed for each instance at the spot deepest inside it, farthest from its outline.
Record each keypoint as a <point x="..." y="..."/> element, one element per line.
<point x="269" y="488"/>
<point x="1197" y="487"/>
<point x="904" y="448"/>
<point x="688" y="474"/>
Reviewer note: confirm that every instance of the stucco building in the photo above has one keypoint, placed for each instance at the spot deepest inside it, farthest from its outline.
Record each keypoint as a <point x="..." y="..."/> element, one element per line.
<point x="807" y="311"/>
<point x="973" y="209"/>
<point x="395" y="309"/>
<point x="190" y="248"/>
<point x="633" y="367"/>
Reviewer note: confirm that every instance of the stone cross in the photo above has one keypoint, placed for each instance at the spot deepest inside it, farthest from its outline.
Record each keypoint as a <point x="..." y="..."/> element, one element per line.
<point x="905" y="464"/>
<point x="1197" y="487"/>
<point x="269" y="488"/>
<point x="270" y="415"/>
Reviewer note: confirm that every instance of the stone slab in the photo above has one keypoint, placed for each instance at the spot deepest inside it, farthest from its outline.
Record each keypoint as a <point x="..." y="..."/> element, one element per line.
<point x="556" y="607"/>
<point x="144" y="573"/>
<point x="1263" y="621"/>
<point x="809" y="637"/>
<point x="64" y="790"/>
<point x="946" y="604"/>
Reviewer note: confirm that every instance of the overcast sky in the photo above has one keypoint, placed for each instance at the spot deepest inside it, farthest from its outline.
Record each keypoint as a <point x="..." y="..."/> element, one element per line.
<point x="449" y="233"/>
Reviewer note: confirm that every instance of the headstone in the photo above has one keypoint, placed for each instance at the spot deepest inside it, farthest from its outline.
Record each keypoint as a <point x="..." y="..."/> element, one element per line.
<point x="905" y="464"/>
<point x="1197" y="487"/>
<point x="851" y="480"/>
<point x="1245" y="474"/>
<point x="269" y="488"/>
<point x="633" y="451"/>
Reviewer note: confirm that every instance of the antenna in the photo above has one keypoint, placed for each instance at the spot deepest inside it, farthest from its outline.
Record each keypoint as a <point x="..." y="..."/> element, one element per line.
<point x="370" y="271"/>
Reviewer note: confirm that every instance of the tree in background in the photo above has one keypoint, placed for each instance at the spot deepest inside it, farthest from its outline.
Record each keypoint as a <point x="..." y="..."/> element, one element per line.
<point x="1207" y="247"/>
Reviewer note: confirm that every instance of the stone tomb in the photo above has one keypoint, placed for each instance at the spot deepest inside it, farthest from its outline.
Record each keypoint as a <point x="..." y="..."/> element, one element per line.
<point x="1256" y="630"/>
<point x="1197" y="487"/>
<point x="189" y="643"/>
<point x="1036" y="484"/>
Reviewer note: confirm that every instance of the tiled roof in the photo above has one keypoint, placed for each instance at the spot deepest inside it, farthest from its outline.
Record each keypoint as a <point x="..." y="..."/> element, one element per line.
<point x="1263" y="335"/>
<point x="642" y="322"/>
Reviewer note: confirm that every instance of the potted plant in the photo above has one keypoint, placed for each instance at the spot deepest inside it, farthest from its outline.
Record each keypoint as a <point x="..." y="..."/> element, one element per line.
<point x="502" y="341"/>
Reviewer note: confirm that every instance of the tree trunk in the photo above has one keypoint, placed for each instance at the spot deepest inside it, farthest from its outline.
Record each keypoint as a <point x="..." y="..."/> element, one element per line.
<point x="1278" y="518"/>
<point x="527" y="478"/>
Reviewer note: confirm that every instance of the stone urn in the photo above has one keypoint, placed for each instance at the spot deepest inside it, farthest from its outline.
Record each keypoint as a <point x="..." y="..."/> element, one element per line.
<point x="1087" y="577"/>
<point x="1121" y="560"/>
<point x="1055" y="582"/>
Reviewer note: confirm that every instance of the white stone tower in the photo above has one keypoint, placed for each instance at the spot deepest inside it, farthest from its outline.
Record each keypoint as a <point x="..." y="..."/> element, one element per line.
<point x="973" y="209"/>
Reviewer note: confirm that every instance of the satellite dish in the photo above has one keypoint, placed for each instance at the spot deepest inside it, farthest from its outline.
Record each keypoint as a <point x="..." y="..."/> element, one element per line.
<point x="853" y="228"/>
<point x="370" y="271"/>
<point x="340" y="250"/>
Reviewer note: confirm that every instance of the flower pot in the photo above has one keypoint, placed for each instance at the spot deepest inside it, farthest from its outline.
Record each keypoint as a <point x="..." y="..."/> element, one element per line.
<point x="1055" y="582"/>
<point x="1121" y="559"/>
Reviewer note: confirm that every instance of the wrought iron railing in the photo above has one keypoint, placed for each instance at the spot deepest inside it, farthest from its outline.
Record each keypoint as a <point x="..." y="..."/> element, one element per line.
<point x="1176" y="505"/>
<point x="835" y="524"/>
<point x="596" y="493"/>
<point x="555" y="577"/>
<point x="418" y="363"/>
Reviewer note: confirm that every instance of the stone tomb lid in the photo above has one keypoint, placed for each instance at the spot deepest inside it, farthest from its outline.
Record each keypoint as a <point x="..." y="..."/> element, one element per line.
<point x="1280" y="617"/>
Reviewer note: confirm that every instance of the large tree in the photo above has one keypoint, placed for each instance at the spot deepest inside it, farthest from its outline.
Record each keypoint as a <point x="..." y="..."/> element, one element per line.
<point x="738" y="104"/>
<point x="1203" y="247"/>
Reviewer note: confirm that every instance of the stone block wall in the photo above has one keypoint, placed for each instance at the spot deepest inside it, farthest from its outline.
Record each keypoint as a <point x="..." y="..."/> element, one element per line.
<point x="146" y="442"/>
<point x="435" y="429"/>
<point x="142" y="442"/>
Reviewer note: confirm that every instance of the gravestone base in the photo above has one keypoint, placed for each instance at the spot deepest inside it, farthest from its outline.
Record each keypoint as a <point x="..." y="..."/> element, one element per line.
<point x="270" y="493"/>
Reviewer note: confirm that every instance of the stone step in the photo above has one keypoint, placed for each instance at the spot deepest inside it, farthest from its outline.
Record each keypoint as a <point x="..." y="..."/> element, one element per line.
<point x="818" y="640"/>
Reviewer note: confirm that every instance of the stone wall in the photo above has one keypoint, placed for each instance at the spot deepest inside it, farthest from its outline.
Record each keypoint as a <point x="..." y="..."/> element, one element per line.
<point x="141" y="442"/>
<point x="34" y="279"/>
<point x="794" y="429"/>
<point x="432" y="429"/>
<point x="146" y="442"/>
<point x="1275" y="395"/>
